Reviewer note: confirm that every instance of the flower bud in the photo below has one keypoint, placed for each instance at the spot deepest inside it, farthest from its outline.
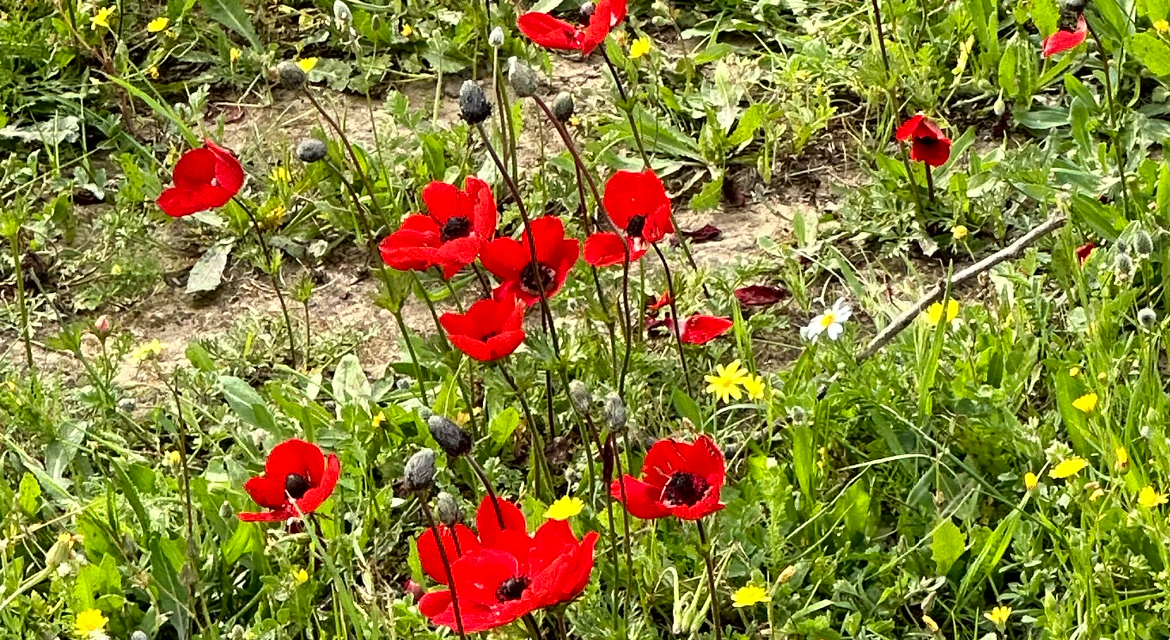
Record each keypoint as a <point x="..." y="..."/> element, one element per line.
<point x="1147" y="317"/>
<point x="342" y="14"/>
<point x="474" y="107"/>
<point x="237" y="633"/>
<point x="586" y="11"/>
<point x="787" y="573"/>
<point x="522" y="78"/>
<point x="416" y="592"/>
<point x="226" y="511"/>
<point x="139" y="634"/>
<point x="59" y="552"/>
<point x="423" y="412"/>
<point x="419" y="474"/>
<point x="454" y="440"/>
<point x="615" y="412"/>
<point x="291" y="75"/>
<point x="448" y="510"/>
<point x="1143" y="244"/>
<point x="496" y="38"/>
<point x="311" y="150"/>
<point x="101" y="326"/>
<point x="580" y="397"/>
<point x="1123" y="265"/>
<point x="562" y="106"/>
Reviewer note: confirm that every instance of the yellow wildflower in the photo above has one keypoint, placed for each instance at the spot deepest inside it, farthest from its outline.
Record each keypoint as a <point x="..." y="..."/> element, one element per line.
<point x="147" y="350"/>
<point x="640" y="47"/>
<point x="564" y="508"/>
<point x="101" y="18"/>
<point x="1074" y="372"/>
<point x="1122" y="457"/>
<point x="174" y="458"/>
<point x="1086" y="403"/>
<point x="378" y="419"/>
<point x="90" y="623"/>
<point x="1161" y="26"/>
<point x="1030" y="481"/>
<point x="300" y="576"/>
<point x="158" y="24"/>
<point x="116" y="270"/>
<point x="1096" y="495"/>
<point x="1149" y="498"/>
<point x="152" y="71"/>
<point x="234" y="55"/>
<point x="959" y="233"/>
<point x="755" y="387"/>
<point x="1068" y="468"/>
<point x="407" y="30"/>
<point x="999" y="615"/>
<point x="281" y="174"/>
<point x="726" y="381"/>
<point x="934" y="313"/>
<point x="307" y="64"/>
<point x="748" y="596"/>
<point x="930" y="623"/>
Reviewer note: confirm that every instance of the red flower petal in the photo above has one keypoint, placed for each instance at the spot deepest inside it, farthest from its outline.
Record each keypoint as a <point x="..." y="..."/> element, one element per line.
<point x="906" y="131"/>
<point x="488" y="524"/>
<point x="1062" y="41"/>
<point x="705" y="233"/>
<point x="604" y="249"/>
<point x="760" y="295"/>
<point x="631" y="194"/>
<point x="323" y="487"/>
<point x="428" y="549"/>
<point x="703" y="329"/>
<point x="490" y="330"/>
<point x="266" y="492"/>
<point x="1084" y="251"/>
<point x="205" y="178"/>
<point x="547" y="31"/>
<point x="642" y="500"/>
<point x="662" y="301"/>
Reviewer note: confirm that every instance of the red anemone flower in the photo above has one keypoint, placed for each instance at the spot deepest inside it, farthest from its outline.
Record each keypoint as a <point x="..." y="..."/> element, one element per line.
<point x="459" y="540"/>
<point x="604" y="249"/>
<point x="638" y="205"/>
<point x="500" y="584"/>
<point x="552" y="33"/>
<point x="205" y="178"/>
<point x="679" y="479"/>
<point x="662" y="301"/>
<point x="1084" y="251"/>
<point x="702" y="329"/>
<point x="297" y="479"/>
<point x="490" y="330"/>
<point x="1062" y="40"/>
<point x="451" y="233"/>
<point x="510" y="260"/>
<point x="928" y="144"/>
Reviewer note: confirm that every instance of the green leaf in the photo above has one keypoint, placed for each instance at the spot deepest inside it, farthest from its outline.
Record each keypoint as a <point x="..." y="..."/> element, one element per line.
<point x="686" y="407"/>
<point x="208" y="272"/>
<point x="30" y="495"/>
<point x="1152" y="51"/>
<point x="1046" y="15"/>
<point x="708" y="198"/>
<point x="243" y="399"/>
<point x="749" y="124"/>
<point x="990" y="555"/>
<point x="503" y="425"/>
<point x="802" y="459"/>
<point x="1154" y="9"/>
<point x="946" y="545"/>
<point x="1164" y="192"/>
<point x="350" y="384"/>
<point x="231" y="14"/>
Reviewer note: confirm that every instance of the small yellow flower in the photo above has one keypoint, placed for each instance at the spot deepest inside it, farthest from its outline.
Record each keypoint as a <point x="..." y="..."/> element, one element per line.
<point x="101" y="18"/>
<point x="1161" y="26"/>
<point x="726" y="381"/>
<point x="999" y="615"/>
<point x="147" y="350"/>
<point x="1068" y="468"/>
<point x="1102" y="376"/>
<point x="152" y="71"/>
<point x="64" y="537"/>
<point x="748" y="596"/>
<point x="755" y="387"/>
<point x="575" y="121"/>
<point x="564" y="508"/>
<point x="1074" y="372"/>
<point x="158" y="24"/>
<point x="640" y="47"/>
<point x="930" y="623"/>
<point x="234" y="55"/>
<point x="959" y="233"/>
<point x="1149" y="498"/>
<point x="1096" y="495"/>
<point x="1086" y="403"/>
<point x="934" y="313"/>
<point x="1122" y="457"/>
<point x="378" y="419"/>
<point x="307" y="64"/>
<point x="174" y="458"/>
<point x="116" y="270"/>
<point x="407" y="30"/>
<point x="300" y="576"/>
<point x="1031" y="481"/>
<point x="90" y="622"/>
<point x="281" y="174"/>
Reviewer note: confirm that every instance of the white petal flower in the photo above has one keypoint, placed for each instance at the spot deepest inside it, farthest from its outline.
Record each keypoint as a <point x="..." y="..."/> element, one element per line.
<point x="831" y="322"/>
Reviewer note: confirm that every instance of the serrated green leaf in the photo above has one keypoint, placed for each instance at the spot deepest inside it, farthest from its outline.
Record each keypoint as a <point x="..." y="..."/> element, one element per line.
<point x="708" y="198"/>
<point x="947" y="544"/>
<point x="1152" y="51"/>
<point x="231" y="14"/>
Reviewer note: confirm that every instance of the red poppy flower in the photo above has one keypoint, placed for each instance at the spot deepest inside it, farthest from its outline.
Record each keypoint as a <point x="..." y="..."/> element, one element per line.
<point x="451" y="233"/>
<point x="638" y="205"/>
<point x="297" y="479"/>
<point x="550" y="32"/>
<point x="702" y="329"/>
<point x="928" y="144"/>
<point x="499" y="585"/>
<point x="490" y="330"/>
<point x="678" y="479"/>
<point x="760" y="295"/>
<point x="1062" y="40"/>
<point x="205" y="178"/>
<point x="662" y="301"/>
<point x="1084" y="251"/>
<point x="604" y="249"/>
<point x="510" y="260"/>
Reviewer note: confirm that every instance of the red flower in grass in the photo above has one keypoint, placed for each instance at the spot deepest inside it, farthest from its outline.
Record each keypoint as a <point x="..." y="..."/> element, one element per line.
<point x="510" y="260"/>
<point x="760" y="295"/>
<point x="702" y="329"/>
<point x="552" y="33"/>
<point x="490" y="330"/>
<point x="604" y="249"/>
<point x="1084" y="251"/>
<point x="459" y="540"/>
<point x="205" y="178"/>
<point x="297" y="479"/>
<point x="638" y="205"/>
<point x="662" y="301"/>
<point x="679" y="479"/>
<point x="1062" y="40"/>
<point x="451" y="233"/>
<point x="928" y="144"/>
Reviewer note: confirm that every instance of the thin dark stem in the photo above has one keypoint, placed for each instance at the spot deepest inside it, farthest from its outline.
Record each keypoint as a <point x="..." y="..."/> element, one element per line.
<point x="881" y="36"/>
<point x="626" y="322"/>
<point x="548" y="393"/>
<point x="186" y="473"/>
<point x="22" y="302"/>
<point x="533" y="627"/>
<point x="929" y="181"/>
<point x="422" y="292"/>
<point x="308" y="335"/>
<point x="538" y="442"/>
<point x="610" y="533"/>
<point x="487" y="486"/>
<point x="677" y="324"/>
<point x="357" y="165"/>
<point x="483" y="280"/>
<point x="271" y="269"/>
<point x="710" y="579"/>
<point x="426" y="509"/>
<point x="621" y="478"/>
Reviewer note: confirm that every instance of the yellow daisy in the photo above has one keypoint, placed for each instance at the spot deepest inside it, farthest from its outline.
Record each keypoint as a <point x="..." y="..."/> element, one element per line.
<point x="1086" y="403"/>
<point x="1122" y="457"/>
<point x="564" y="508"/>
<point x="934" y="313"/>
<point x="748" y="596"/>
<point x="1161" y="26"/>
<point x="999" y="615"/>
<point x="307" y="64"/>
<point x="640" y="47"/>
<point x="1149" y="498"/>
<point x="300" y="576"/>
<point x="755" y="387"/>
<point x="726" y="381"/>
<point x="101" y="18"/>
<point x="158" y="24"/>
<point x="1068" y="468"/>
<point x="1030" y="481"/>
<point x="959" y="233"/>
<point x="90" y="623"/>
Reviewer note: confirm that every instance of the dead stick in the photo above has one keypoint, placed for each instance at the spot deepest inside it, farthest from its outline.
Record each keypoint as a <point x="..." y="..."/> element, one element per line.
<point x="1013" y="250"/>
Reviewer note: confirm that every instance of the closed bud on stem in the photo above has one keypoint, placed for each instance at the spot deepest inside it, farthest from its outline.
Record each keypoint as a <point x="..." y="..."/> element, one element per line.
<point x="291" y="76"/>
<point x="139" y="634"/>
<point x="580" y="397"/>
<point x="1123" y="265"/>
<point x="563" y="107"/>
<point x="1143" y="244"/>
<point x="311" y="150"/>
<point x="615" y="412"/>
<point x="1147" y="317"/>
<point x="419" y="474"/>
<point x="102" y="326"/>
<point x="474" y="107"/>
<point x="586" y="11"/>
<point x="341" y="13"/>
<point x="522" y="78"/>
<point x="496" y="38"/>
<point x="451" y="437"/>
<point x="59" y="552"/>
<point x="226" y="511"/>
<point x="448" y="510"/>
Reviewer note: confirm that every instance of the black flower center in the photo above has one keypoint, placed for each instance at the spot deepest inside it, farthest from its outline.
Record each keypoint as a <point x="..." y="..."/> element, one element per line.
<point x="925" y="140"/>
<point x="512" y="589"/>
<point x="456" y="227"/>
<point x="295" y="485"/>
<point x="635" y="227"/>
<point x="529" y="275"/>
<point x="684" y="489"/>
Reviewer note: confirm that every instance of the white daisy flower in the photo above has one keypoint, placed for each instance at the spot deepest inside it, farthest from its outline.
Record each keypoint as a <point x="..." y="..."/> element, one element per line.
<point x="830" y="323"/>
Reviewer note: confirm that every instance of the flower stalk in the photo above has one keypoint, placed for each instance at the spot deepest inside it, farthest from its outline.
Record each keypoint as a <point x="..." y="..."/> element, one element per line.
<point x="271" y="268"/>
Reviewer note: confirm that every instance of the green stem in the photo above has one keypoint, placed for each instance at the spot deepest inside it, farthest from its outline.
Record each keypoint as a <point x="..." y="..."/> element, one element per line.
<point x="272" y="272"/>
<point x="22" y="303"/>
<point x="682" y="357"/>
<point x="710" y="579"/>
